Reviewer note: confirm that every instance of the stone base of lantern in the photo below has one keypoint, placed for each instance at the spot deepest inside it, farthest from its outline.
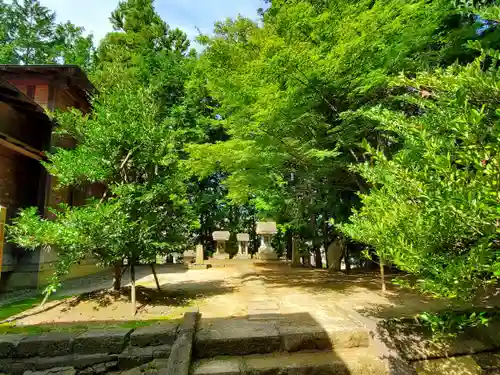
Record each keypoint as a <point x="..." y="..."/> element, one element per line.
<point x="243" y="256"/>
<point x="220" y="256"/>
<point x="267" y="254"/>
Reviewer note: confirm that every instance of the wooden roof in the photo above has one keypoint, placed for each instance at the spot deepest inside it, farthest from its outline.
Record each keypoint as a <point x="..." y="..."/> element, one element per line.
<point x="69" y="75"/>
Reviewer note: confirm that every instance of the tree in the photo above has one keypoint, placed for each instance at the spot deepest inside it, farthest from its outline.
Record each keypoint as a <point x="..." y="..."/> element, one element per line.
<point x="441" y="223"/>
<point x="283" y="88"/>
<point x="72" y="47"/>
<point x="31" y="27"/>
<point x="131" y="143"/>
<point x="30" y="35"/>
<point x="127" y="146"/>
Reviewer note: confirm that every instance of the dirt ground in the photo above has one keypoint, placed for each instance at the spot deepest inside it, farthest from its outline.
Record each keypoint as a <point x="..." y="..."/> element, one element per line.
<point x="235" y="289"/>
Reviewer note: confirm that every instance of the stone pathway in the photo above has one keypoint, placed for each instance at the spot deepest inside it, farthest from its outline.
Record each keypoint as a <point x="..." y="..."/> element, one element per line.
<point x="269" y="302"/>
<point x="261" y="305"/>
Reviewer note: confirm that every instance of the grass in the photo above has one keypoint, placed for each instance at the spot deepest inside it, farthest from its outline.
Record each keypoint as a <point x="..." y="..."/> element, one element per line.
<point x="14" y="308"/>
<point x="73" y="327"/>
<point x="10" y="309"/>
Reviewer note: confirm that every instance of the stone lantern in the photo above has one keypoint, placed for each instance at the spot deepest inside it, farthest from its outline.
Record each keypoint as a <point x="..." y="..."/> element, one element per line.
<point x="221" y="237"/>
<point x="266" y="230"/>
<point x="243" y="239"/>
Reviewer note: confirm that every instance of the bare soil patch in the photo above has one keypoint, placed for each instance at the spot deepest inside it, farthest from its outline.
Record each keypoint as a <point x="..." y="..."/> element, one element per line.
<point x="233" y="291"/>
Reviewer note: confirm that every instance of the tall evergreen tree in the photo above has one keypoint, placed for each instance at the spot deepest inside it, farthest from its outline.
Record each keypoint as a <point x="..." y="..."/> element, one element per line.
<point x="29" y="34"/>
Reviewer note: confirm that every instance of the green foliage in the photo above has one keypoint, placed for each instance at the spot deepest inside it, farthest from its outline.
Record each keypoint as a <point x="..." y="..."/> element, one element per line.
<point x="449" y="324"/>
<point x="281" y="88"/>
<point x="29" y="35"/>
<point x="433" y="206"/>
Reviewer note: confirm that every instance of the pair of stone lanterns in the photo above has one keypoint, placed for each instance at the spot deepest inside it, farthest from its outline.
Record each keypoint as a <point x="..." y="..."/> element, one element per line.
<point x="266" y="252"/>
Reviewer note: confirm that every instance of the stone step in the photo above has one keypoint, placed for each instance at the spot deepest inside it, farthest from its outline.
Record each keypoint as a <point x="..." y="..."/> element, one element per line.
<point x="354" y="361"/>
<point x="244" y="336"/>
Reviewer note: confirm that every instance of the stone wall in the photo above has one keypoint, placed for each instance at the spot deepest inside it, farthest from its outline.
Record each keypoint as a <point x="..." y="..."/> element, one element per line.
<point x="99" y="351"/>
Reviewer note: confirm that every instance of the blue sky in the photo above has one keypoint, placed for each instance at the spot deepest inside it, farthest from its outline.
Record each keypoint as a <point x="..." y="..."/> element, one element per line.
<point x="184" y="14"/>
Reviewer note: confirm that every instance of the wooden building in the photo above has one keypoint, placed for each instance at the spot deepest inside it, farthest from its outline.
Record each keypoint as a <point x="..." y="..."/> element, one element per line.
<point x="26" y="91"/>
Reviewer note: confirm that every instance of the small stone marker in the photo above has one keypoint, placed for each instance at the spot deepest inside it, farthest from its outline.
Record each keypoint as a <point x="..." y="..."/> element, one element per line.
<point x="200" y="259"/>
<point x="221" y="237"/>
<point x="266" y="229"/>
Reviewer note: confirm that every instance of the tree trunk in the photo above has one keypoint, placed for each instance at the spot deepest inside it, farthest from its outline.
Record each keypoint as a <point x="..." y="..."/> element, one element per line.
<point x="346" y="258"/>
<point x="316" y="248"/>
<point x="289" y="245"/>
<point x="326" y="241"/>
<point x="295" y="252"/>
<point x="382" y="275"/>
<point x="132" y="287"/>
<point x="156" y="276"/>
<point x="117" y="277"/>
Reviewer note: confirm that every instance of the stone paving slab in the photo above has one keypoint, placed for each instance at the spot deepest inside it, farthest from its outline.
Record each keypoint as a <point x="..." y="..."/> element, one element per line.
<point x="46" y="345"/>
<point x="8" y="345"/>
<point x="78" y="361"/>
<point x="54" y="371"/>
<point x="227" y="366"/>
<point x="235" y="337"/>
<point x="100" y="341"/>
<point x="156" y="334"/>
<point x="265" y="316"/>
<point x="345" y="362"/>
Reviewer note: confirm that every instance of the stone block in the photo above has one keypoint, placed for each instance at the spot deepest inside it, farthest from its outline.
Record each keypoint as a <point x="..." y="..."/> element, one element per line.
<point x="188" y="324"/>
<point x="295" y="338"/>
<point x="156" y="334"/>
<point x="101" y="368"/>
<point x="266" y="227"/>
<point x="45" y="345"/>
<point x="158" y="364"/>
<point x="243" y="237"/>
<point x="134" y="356"/>
<point x="108" y="341"/>
<point x="487" y="361"/>
<point x="349" y="338"/>
<point x="15" y="367"/>
<point x="162" y="351"/>
<point x="421" y="350"/>
<point x="8" y="345"/>
<point x="79" y="361"/>
<point x="490" y="335"/>
<point x="236" y="337"/>
<point x="221" y="235"/>
<point x="180" y="358"/>
<point x="229" y="366"/>
<point x="54" y="371"/>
